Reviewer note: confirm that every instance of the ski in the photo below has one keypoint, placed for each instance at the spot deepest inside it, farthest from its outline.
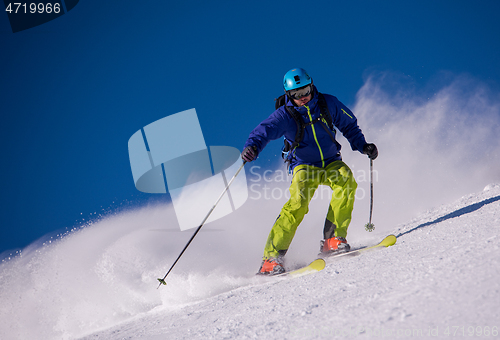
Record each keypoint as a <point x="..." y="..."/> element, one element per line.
<point x="313" y="267"/>
<point x="386" y="242"/>
<point x="320" y="263"/>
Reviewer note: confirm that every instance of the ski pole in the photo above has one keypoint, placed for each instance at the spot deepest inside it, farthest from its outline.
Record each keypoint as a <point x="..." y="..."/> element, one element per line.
<point x="162" y="281"/>
<point x="370" y="226"/>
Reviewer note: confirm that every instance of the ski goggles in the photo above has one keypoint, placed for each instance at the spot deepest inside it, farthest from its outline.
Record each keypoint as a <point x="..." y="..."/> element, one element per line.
<point x="301" y="92"/>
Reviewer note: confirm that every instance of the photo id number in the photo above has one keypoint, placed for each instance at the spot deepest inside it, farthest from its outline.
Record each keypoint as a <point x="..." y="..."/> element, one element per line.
<point x="32" y="7"/>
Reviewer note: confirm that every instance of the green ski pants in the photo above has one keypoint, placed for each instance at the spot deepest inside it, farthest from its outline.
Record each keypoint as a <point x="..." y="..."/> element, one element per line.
<point x="305" y="181"/>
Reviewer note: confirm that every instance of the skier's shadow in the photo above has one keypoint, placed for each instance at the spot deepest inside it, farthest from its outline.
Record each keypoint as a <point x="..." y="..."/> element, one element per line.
<point x="457" y="213"/>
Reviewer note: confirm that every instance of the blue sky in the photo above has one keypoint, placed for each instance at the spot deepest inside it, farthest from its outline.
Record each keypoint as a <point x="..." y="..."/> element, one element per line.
<point x="75" y="89"/>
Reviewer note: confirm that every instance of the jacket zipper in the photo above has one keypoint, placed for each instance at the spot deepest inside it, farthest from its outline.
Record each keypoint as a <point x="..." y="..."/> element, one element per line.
<point x="315" y="138"/>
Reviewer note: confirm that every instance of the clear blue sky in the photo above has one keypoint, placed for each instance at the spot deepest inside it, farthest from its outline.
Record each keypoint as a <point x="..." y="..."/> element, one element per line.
<point x="75" y="89"/>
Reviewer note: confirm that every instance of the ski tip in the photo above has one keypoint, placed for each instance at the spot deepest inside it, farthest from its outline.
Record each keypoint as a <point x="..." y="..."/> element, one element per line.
<point x="313" y="267"/>
<point x="319" y="264"/>
<point x="389" y="241"/>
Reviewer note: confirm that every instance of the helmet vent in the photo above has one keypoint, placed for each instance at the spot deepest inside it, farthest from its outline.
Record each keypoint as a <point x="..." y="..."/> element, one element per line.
<point x="297" y="79"/>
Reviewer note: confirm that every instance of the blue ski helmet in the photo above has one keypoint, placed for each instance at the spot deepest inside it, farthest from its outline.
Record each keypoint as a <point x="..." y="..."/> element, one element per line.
<point x="296" y="78"/>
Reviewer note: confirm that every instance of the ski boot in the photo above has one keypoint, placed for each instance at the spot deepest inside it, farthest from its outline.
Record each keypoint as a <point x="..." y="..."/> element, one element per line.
<point x="272" y="266"/>
<point x="333" y="246"/>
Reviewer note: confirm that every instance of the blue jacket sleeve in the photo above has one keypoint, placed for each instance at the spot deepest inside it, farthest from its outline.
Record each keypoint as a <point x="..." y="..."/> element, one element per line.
<point x="346" y="122"/>
<point x="270" y="129"/>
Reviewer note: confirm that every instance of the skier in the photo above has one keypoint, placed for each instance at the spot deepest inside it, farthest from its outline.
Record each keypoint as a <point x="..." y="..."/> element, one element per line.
<point x="315" y="160"/>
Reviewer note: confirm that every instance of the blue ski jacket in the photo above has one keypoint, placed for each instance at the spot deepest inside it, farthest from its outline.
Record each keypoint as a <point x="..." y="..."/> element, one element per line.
<point x="316" y="147"/>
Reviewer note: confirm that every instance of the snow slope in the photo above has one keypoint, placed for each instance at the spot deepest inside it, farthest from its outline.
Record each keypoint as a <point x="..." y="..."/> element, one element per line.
<point x="440" y="279"/>
<point x="99" y="282"/>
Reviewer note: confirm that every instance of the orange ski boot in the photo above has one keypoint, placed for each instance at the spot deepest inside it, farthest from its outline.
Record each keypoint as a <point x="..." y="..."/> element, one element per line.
<point x="271" y="266"/>
<point x="334" y="245"/>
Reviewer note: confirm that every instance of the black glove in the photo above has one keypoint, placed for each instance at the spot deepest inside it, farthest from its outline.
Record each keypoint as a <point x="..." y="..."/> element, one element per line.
<point x="370" y="150"/>
<point x="249" y="154"/>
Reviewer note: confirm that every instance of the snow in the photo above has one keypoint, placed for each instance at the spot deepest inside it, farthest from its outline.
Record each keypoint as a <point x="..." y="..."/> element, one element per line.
<point x="440" y="278"/>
